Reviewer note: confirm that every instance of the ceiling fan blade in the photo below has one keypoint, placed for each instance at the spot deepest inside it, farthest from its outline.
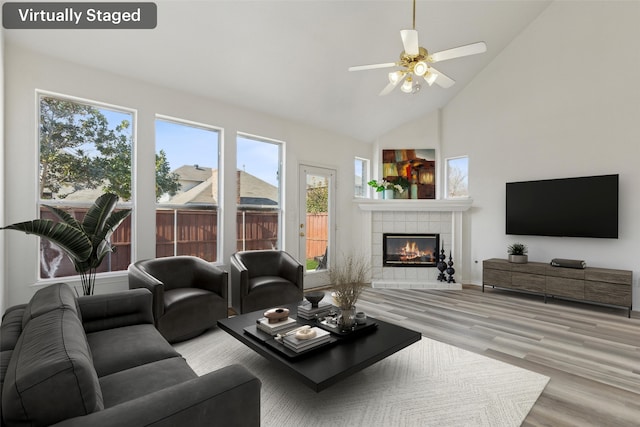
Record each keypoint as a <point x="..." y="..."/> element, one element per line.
<point x="457" y="52"/>
<point x="442" y="80"/>
<point x="372" y="67"/>
<point x="389" y="88"/>
<point x="410" y="42"/>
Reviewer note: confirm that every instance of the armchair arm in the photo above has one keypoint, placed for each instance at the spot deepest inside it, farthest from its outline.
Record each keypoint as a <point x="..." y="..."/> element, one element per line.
<point x="239" y="282"/>
<point x="116" y="309"/>
<point x="138" y="278"/>
<point x="210" y="277"/>
<point x="227" y="397"/>
<point x="291" y="269"/>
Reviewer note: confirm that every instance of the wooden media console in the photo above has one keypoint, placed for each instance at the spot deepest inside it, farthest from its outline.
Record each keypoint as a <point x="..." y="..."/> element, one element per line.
<point x="592" y="285"/>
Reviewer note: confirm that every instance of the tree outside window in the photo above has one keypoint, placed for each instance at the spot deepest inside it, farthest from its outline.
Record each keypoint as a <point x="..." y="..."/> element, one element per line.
<point x="86" y="150"/>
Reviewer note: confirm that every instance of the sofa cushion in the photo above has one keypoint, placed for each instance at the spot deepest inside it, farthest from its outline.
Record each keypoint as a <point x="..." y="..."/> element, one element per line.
<point x="11" y="327"/>
<point x="50" y="376"/>
<point x="123" y="348"/>
<point x="142" y="380"/>
<point x="53" y="297"/>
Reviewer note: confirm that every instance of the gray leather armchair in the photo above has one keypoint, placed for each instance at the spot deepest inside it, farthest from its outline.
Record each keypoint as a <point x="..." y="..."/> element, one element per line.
<point x="189" y="294"/>
<point x="264" y="279"/>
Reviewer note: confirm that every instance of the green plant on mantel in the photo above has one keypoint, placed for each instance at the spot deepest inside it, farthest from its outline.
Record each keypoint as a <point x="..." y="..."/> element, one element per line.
<point x="517" y="249"/>
<point x="86" y="243"/>
<point x="402" y="184"/>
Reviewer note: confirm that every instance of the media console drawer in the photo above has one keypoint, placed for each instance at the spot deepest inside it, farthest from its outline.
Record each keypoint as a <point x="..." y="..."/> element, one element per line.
<point x="562" y="287"/>
<point x="591" y="285"/>
<point x="608" y="293"/>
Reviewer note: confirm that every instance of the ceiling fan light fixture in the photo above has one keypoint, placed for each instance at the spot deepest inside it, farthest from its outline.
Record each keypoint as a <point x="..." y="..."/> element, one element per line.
<point x="395" y="77"/>
<point x="407" y="86"/>
<point x="420" y="68"/>
<point x="430" y="77"/>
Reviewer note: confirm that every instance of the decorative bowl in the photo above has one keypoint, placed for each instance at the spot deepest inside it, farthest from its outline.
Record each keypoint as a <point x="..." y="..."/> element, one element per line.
<point x="314" y="297"/>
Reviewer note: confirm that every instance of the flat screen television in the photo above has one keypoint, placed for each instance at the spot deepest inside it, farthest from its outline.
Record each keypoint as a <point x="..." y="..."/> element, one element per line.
<point x="568" y="207"/>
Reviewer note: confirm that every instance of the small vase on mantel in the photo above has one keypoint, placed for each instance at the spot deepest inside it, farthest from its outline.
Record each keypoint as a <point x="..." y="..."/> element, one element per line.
<point x="388" y="194"/>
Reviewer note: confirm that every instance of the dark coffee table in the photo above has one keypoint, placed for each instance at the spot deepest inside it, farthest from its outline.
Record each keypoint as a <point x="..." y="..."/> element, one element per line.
<point x="326" y="366"/>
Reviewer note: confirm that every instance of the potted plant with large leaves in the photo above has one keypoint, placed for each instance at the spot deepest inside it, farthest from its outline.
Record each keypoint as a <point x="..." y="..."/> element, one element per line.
<point x="86" y="243"/>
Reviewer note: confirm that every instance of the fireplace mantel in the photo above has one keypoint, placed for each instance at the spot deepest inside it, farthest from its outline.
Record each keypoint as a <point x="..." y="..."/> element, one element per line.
<point x="441" y="216"/>
<point x="442" y="205"/>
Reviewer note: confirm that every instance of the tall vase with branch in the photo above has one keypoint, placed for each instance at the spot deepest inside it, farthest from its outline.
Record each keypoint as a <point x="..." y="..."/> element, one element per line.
<point x="348" y="279"/>
<point x="86" y="243"/>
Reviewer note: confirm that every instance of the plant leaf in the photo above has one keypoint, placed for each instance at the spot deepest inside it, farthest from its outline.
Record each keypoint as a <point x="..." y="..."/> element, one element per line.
<point x="64" y="217"/>
<point x="98" y="213"/>
<point x="71" y="240"/>
<point x="101" y="239"/>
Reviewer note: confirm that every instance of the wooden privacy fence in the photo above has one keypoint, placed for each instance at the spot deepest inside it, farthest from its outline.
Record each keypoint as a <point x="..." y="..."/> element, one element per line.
<point x="317" y="234"/>
<point x="186" y="232"/>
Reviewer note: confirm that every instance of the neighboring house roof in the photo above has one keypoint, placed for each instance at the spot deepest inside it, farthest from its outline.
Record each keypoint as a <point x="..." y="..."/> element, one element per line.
<point x="200" y="186"/>
<point x="254" y="191"/>
<point x="200" y="194"/>
<point x="193" y="173"/>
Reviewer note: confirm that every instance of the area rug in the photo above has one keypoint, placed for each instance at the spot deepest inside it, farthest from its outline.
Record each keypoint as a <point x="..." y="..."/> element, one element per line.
<point x="426" y="384"/>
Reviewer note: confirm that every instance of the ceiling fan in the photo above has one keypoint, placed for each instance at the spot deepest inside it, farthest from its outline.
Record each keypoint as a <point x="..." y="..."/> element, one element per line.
<point x="415" y="62"/>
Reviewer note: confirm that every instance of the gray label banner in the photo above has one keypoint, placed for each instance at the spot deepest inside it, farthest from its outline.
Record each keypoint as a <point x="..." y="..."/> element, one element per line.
<point x="79" y="15"/>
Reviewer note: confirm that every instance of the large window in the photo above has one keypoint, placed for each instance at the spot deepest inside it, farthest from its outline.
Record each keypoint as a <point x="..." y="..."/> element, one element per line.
<point x="361" y="189"/>
<point x="186" y="189"/>
<point x="457" y="177"/>
<point x="85" y="149"/>
<point x="259" y="193"/>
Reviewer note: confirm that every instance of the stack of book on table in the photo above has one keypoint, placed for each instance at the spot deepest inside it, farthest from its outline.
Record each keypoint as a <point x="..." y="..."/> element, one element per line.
<point x="277" y="327"/>
<point x="299" y="345"/>
<point x="306" y="311"/>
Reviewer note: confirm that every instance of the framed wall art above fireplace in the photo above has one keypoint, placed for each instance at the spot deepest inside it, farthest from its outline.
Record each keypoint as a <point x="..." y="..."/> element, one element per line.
<point x="415" y="169"/>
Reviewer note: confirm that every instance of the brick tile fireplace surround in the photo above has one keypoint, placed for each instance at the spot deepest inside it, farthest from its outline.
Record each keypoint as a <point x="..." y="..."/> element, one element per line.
<point x="443" y="217"/>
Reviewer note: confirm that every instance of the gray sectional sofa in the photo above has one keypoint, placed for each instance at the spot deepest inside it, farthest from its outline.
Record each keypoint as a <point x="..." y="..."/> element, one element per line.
<point x="99" y="361"/>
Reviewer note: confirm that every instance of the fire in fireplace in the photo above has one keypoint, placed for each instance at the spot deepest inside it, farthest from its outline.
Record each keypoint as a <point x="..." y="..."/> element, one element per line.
<point x="410" y="250"/>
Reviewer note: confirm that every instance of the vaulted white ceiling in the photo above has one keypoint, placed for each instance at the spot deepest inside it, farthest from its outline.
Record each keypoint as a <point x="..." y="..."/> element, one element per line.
<point x="290" y="58"/>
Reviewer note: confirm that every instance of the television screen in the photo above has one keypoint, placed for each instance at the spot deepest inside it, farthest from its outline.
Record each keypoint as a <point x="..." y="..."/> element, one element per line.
<point x="569" y="207"/>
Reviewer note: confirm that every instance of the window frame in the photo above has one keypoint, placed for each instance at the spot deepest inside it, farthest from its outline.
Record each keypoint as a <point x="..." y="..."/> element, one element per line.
<point x="39" y="202"/>
<point x="366" y="168"/>
<point x="446" y="177"/>
<point x="219" y="206"/>
<point x="281" y="238"/>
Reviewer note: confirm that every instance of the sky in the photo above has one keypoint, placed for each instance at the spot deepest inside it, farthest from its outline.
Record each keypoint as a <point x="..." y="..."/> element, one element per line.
<point x="187" y="144"/>
<point x="190" y="145"/>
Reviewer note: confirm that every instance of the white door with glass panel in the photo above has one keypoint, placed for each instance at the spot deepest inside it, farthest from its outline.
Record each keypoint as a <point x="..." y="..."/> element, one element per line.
<point x="316" y="220"/>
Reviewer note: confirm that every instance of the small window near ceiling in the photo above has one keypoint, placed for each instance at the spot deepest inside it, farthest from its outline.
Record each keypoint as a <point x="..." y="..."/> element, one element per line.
<point x="457" y="177"/>
<point x="361" y="176"/>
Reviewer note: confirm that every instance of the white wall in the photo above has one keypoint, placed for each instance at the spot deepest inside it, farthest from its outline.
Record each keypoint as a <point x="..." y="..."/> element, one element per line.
<point x="561" y="100"/>
<point x="27" y="71"/>
<point x="3" y="270"/>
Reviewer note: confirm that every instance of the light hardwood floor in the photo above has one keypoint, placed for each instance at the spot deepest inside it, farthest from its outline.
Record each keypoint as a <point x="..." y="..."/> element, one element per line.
<point x="591" y="353"/>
